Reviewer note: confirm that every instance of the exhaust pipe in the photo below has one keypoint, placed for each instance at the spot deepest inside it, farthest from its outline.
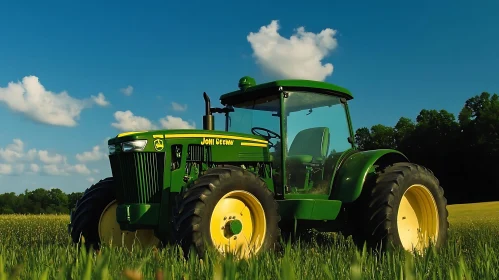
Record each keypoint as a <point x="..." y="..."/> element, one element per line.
<point x="208" y="119"/>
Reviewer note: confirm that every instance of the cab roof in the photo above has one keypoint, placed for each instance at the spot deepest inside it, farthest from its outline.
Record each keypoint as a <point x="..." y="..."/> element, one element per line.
<point x="249" y="90"/>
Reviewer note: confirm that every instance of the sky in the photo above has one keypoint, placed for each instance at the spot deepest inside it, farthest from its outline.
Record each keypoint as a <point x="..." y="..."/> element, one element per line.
<point x="75" y="73"/>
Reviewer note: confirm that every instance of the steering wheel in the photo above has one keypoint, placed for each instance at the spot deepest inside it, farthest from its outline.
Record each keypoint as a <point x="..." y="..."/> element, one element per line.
<point x="270" y="134"/>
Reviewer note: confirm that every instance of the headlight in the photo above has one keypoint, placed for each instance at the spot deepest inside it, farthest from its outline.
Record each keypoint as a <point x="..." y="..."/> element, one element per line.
<point x="136" y="145"/>
<point x="112" y="149"/>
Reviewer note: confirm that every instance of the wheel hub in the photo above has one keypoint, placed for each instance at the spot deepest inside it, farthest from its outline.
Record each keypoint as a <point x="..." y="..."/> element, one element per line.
<point x="233" y="227"/>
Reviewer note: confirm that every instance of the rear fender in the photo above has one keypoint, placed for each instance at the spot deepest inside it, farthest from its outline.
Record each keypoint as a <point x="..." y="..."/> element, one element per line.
<point x="352" y="173"/>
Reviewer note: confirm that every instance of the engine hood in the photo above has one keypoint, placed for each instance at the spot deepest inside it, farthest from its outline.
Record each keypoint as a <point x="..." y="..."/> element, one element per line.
<point x="210" y="135"/>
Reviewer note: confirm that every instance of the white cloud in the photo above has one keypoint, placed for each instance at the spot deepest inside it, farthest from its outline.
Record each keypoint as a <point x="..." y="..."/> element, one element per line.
<point x="90" y="179"/>
<point x="11" y="169"/>
<point x="46" y="158"/>
<point x="13" y="152"/>
<point x="93" y="155"/>
<point x="31" y="155"/>
<point x="65" y="169"/>
<point x="34" y="167"/>
<point x="298" y="57"/>
<point x="170" y="122"/>
<point x="95" y="171"/>
<point x="127" y="121"/>
<point x="127" y="91"/>
<point x="78" y="168"/>
<point x="52" y="169"/>
<point x="100" y="100"/>
<point x="33" y="100"/>
<point x="5" y="169"/>
<point x="179" y="107"/>
<point x="15" y="159"/>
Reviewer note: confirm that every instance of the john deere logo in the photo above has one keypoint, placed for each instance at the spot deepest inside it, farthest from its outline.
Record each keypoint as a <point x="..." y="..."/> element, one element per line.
<point x="158" y="144"/>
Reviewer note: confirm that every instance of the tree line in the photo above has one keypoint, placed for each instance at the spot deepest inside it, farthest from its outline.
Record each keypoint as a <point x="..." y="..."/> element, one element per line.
<point x="463" y="153"/>
<point x="39" y="201"/>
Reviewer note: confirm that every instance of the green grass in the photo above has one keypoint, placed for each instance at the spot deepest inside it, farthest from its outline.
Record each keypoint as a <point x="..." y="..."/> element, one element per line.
<point x="38" y="247"/>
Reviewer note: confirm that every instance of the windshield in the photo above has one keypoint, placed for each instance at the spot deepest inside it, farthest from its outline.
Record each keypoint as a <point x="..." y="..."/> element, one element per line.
<point x="257" y="113"/>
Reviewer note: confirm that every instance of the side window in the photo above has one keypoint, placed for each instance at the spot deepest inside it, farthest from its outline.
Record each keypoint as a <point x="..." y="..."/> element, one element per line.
<point x="317" y="135"/>
<point x="339" y="130"/>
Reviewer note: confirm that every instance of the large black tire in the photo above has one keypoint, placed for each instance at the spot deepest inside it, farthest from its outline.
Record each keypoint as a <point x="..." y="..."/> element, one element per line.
<point x="375" y="214"/>
<point x="194" y="207"/>
<point x="85" y="218"/>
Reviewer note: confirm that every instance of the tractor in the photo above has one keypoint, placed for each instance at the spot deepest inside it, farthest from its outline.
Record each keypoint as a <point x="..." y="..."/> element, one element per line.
<point x="286" y="159"/>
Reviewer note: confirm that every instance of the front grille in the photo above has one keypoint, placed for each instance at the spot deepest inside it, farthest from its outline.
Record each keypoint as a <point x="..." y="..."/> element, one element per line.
<point x="138" y="176"/>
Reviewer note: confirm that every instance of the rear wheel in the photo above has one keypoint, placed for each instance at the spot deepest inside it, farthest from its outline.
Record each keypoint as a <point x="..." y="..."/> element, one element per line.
<point x="94" y="220"/>
<point x="230" y="209"/>
<point x="402" y="206"/>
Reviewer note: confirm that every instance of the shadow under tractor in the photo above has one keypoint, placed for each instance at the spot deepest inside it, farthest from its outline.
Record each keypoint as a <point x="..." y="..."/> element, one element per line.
<point x="285" y="159"/>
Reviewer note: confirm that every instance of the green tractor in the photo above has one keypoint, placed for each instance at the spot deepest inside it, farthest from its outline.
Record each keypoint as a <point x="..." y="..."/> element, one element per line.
<point x="286" y="160"/>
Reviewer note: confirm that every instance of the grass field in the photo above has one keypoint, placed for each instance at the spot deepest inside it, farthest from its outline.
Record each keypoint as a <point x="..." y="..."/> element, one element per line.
<point x="37" y="247"/>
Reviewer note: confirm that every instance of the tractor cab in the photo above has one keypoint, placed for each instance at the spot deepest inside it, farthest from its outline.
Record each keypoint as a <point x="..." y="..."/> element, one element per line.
<point x="307" y="124"/>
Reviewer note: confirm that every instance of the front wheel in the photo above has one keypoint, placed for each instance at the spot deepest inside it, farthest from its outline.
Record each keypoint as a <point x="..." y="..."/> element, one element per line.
<point x="94" y="221"/>
<point x="404" y="206"/>
<point x="230" y="209"/>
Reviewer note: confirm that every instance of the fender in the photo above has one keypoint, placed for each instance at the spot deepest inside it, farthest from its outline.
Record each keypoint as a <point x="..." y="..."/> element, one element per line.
<point x="352" y="173"/>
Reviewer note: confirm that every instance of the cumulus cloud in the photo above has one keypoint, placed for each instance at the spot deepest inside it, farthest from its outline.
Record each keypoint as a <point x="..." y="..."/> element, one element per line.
<point x="13" y="152"/>
<point x="78" y="168"/>
<point x="298" y="57"/>
<point x="170" y="122"/>
<point x="100" y="100"/>
<point x="127" y="91"/>
<point x="14" y="159"/>
<point x="94" y="155"/>
<point x="11" y="169"/>
<point x="30" y="98"/>
<point x="5" y="169"/>
<point x="179" y="107"/>
<point x="46" y="158"/>
<point x="127" y="121"/>
<point x="35" y="168"/>
<point x="65" y="169"/>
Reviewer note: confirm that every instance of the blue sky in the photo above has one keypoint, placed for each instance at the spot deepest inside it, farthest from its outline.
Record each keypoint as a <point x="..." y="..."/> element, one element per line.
<point x="396" y="57"/>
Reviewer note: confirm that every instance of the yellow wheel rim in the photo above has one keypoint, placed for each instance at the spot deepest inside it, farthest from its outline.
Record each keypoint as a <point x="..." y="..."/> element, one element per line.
<point x="110" y="232"/>
<point x="417" y="218"/>
<point x="238" y="224"/>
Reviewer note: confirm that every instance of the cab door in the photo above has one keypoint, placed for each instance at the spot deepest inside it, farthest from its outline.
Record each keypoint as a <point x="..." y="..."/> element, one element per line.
<point x="317" y="135"/>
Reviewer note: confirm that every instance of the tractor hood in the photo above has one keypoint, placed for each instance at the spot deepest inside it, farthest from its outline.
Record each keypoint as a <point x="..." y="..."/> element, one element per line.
<point x="208" y="137"/>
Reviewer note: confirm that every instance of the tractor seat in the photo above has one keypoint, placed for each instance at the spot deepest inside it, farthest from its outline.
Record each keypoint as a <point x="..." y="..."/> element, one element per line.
<point x="309" y="146"/>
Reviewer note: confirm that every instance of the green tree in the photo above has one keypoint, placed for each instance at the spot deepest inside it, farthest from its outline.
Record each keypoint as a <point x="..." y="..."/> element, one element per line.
<point x="38" y="201"/>
<point x="463" y="153"/>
